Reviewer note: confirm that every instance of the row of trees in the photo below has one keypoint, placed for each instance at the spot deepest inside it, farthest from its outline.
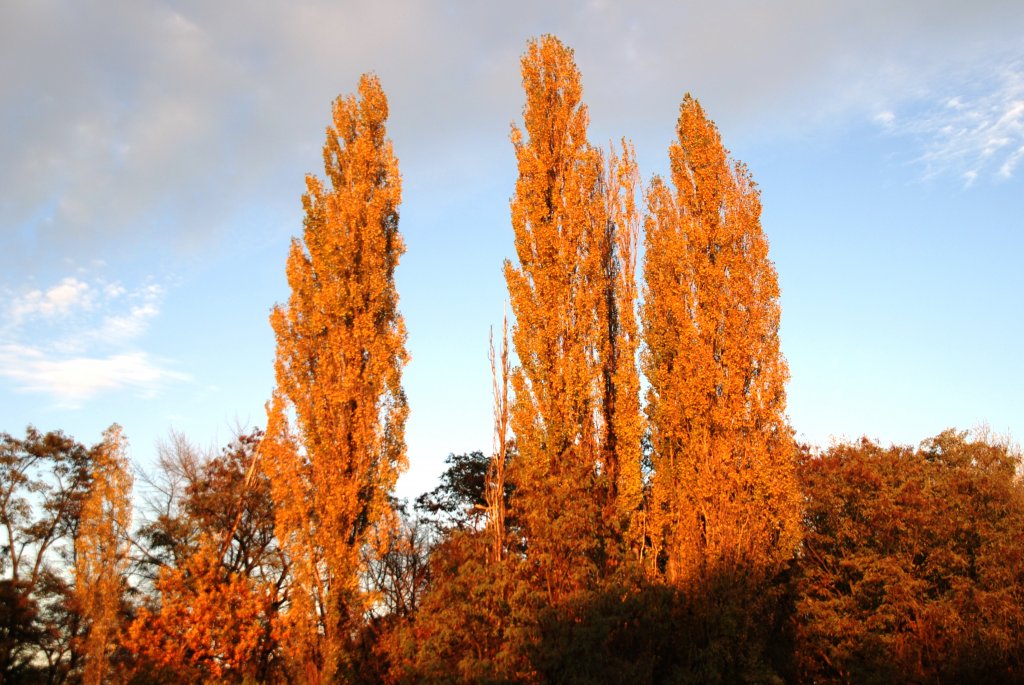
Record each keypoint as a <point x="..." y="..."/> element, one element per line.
<point x="682" y="538"/>
<point x="909" y="570"/>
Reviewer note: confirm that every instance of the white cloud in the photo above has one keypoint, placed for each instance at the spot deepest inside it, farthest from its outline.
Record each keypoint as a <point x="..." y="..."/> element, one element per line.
<point x="95" y="310"/>
<point x="71" y="381"/>
<point x="1008" y="167"/>
<point x="62" y="299"/>
<point x="125" y="326"/>
<point x="76" y="339"/>
<point x="886" y="119"/>
<point x="973" y="134"/>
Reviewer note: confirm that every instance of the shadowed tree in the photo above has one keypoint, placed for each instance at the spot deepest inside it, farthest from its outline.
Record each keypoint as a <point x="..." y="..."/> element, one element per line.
<point x="458" y="633"/>
<point x="44" y="479"/>
<point x="340" y="351"/>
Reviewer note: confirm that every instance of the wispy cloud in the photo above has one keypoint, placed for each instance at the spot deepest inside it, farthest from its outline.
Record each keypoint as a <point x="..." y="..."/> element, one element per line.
<point x="974" y="133"/>
<point x="129" y="325"/>
<point x="76" y="339"/>
<point x="72" y="380"/>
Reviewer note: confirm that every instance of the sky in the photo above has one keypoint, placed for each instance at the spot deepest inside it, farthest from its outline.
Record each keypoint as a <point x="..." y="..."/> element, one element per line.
<point x="153" y="156"/>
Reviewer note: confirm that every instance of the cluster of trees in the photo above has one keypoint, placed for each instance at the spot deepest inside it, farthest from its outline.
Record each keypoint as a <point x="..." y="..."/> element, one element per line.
<point x="909" y="570"/>
<point x="664" y="531"/>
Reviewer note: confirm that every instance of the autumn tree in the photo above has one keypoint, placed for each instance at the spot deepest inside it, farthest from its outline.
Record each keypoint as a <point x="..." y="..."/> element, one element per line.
<point x="101" y="553"/>
<point x="216" y="575"/>
<point x="44" y="478"/>
<point x="725" y="496"/>
<point x="564" y="294"/>
<point x="340" y="351"/>
<point x="911" y="563"/>
<point x="212" y="625"/>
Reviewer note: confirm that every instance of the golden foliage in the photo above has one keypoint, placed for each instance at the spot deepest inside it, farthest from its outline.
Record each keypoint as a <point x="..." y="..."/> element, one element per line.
<point x="576" y="414"/>
<point x="211" y="625"/>
<point x="560" y="297"/>
<point x="724" y="487"/>
<point x="340" y="350"/>
<point x="623" y="420"/>
<point x="101" y="553"/>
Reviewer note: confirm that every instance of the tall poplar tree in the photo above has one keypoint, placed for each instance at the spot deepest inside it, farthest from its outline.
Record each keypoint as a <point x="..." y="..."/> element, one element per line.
<point x="725" y="494"/>
<point x="101" y="553"/>
<point x="564" y="294"/>
<point x="340" y="351"/>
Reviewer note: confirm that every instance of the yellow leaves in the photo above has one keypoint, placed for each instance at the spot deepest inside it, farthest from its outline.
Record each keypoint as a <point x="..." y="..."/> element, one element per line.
<point x="575" y="414"/>
<point x="340" y="350"/>
<point x="101" y="551"/>
<point x="211" y="623"/>
<point x="724" y="489"/>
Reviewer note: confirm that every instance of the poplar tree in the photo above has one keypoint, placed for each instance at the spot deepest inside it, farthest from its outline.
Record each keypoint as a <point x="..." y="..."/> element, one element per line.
<point x="101" y="553"/>
<point x="724" y="491"/>
<point x="340" y="351"/>
<point x="565" y="294"/>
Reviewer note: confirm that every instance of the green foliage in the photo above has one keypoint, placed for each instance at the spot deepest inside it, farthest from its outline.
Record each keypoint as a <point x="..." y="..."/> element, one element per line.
<point x="459" y="634"/>
<point x="459" y="500"/>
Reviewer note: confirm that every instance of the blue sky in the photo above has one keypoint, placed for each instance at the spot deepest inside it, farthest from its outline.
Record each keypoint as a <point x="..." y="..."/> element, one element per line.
<point x="152" y="160"/>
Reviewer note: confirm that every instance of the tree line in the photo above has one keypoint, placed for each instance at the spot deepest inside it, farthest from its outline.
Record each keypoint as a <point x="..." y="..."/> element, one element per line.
<point x="644" y="514"/>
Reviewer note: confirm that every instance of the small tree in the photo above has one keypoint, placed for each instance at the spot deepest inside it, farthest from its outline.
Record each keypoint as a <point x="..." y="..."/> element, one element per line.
<point x="494" y="489"/>
<point x="101" y="553"/>
<point x="43" y="481"/>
